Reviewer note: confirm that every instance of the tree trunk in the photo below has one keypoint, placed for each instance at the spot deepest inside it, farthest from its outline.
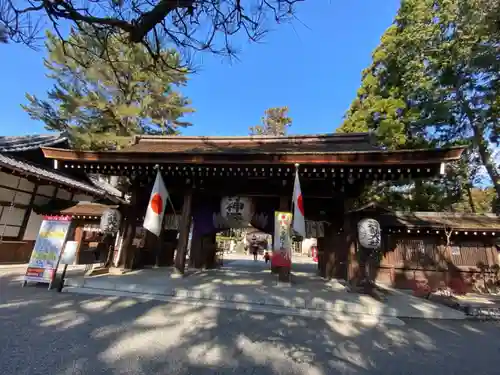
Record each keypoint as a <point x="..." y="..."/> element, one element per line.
<point x="482" y="148"/>
<point x="469" y="196"/>
<point x="488" y="163"/>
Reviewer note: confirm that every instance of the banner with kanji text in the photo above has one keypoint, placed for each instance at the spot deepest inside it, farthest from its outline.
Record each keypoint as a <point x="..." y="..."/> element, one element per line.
<point x="282" y="242"/>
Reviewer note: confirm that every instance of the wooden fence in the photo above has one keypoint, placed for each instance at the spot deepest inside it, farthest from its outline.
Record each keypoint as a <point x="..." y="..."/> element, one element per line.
<point x="410" y="258"/>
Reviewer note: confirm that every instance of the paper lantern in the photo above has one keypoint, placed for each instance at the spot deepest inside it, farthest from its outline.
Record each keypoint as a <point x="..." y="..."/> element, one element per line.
<point x="237" y="211"/>
<point x="110" y="221"/>
<point x="369" y="233"/>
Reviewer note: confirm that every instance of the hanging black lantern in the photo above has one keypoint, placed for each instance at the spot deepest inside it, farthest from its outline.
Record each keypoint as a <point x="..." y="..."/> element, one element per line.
<point x="110" y="221"/>
<point x="369" y="233"/>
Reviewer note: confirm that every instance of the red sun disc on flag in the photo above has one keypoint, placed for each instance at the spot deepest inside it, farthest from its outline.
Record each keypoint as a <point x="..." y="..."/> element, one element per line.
<point x="156" y="203"/>
<point x="300" y="204"/>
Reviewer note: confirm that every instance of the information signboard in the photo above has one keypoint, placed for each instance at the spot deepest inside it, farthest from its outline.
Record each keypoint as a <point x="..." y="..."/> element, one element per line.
<point x="48" y="245"/>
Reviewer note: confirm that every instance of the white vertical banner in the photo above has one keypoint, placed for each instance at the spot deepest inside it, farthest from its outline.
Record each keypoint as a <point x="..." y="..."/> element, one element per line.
<point x="282" y="244"/>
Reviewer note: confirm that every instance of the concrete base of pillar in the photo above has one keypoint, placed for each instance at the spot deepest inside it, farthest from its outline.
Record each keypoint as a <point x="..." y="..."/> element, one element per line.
<point x="284" y="275"/>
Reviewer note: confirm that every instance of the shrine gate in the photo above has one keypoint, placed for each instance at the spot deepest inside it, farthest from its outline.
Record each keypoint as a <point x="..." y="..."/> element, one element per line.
<point x="200" y="172"/>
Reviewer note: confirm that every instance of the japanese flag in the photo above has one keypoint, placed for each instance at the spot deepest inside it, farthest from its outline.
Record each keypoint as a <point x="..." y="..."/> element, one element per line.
<point x="299" y="223"/>
<point x="156" y="206"/>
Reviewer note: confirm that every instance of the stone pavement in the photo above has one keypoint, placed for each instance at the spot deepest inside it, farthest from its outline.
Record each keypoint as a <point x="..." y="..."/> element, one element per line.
<point x="243" y="284"/>
<point x="74" y="334"/>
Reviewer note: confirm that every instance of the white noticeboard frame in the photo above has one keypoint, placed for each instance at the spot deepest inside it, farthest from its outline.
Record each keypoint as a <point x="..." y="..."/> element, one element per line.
<point x="47" y="250"/>
<point x="68" y="255"/>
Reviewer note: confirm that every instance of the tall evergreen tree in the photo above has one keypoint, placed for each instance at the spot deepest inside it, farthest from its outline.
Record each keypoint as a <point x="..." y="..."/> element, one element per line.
<point x="101" y="96"/>
<point x="274" y="122"/>
<point x="434" y="81"/>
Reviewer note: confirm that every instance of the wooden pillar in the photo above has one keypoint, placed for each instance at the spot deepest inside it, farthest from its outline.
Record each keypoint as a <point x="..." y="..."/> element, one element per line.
<point x="203" y="251"/>
<point x="353" y="270"/>
<point x="170" y="244"/>
<point x="196" y="253"/>
<point x="159" y="248"/>
<point x="130" y="218"/>
<point x="210" y="249"/>
<point x="322" y="256"/>
<point x="285" y="203"/>
<point x="329" y="249"/>
<point x="184" y="227"/>
<point x="78" y="237"/>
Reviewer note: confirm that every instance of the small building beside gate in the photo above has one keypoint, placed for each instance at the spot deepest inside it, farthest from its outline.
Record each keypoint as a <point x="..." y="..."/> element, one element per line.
<point x="28" y="181"/>
<point x="436" y="247"/>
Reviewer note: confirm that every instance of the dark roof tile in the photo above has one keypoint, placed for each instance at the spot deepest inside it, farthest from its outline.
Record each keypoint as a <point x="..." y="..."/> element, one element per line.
<point x="49" y="175"/>
<point x="440" y="220"/>
<point x="74" y="209"/>
<point x="30" y="142"/>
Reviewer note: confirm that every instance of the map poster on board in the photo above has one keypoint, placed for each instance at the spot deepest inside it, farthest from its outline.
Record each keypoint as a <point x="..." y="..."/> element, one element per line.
<point x="48" y="245"/>
<point x="282" y="244"/>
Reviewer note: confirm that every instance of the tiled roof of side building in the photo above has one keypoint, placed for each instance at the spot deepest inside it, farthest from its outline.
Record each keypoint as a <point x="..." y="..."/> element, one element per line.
<point x="458" y="221"/>
<point x="21" y="143"/>
<point x="14" y="164"/>
<point x="74" y="209"/>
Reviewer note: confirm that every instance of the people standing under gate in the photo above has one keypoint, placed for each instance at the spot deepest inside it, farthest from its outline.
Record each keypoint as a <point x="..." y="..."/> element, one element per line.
<point x="267" y="258"/>
<point x="254" y="252"/>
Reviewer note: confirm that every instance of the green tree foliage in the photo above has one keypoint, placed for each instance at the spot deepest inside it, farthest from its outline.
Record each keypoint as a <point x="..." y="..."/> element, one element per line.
<point x="274" y="122"/>
<point x="100" y="101"/>
<point x="434" y="81"/>
<point x="481" y="200"/>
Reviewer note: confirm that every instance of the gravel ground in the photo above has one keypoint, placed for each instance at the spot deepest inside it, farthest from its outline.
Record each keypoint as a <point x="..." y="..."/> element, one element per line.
<point x="46" y="333"/>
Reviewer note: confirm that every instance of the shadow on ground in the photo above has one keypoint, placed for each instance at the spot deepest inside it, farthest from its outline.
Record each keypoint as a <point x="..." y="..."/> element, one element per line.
<point x="246" y="281"/>
<point x="50" y="333"/>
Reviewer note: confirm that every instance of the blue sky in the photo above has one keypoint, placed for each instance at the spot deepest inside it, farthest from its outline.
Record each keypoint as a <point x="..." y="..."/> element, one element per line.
<point x="312" y="66"/>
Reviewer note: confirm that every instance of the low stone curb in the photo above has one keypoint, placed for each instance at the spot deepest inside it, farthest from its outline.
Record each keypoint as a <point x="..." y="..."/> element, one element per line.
<point x="244" y="306"/>
<point x="472" y="311"/>
<point x="477" y="312"/>
<point x="315" y="305"/>
<point x="182" y="294"/>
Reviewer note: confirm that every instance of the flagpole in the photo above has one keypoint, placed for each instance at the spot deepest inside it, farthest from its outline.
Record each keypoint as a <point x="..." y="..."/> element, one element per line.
<point x="294" y="178"/>
<point x="292" y="206"/>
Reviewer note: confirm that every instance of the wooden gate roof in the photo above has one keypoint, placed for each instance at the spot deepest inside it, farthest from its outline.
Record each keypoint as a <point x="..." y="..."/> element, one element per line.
<point x="342" y="148"/>
<point x="259" y="144"/>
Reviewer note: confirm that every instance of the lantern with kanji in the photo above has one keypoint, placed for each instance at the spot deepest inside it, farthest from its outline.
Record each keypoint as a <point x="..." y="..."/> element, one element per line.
<point x="110" y="221"/>
<point x="369" y="234"/>
<point x="237" y="211"/>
